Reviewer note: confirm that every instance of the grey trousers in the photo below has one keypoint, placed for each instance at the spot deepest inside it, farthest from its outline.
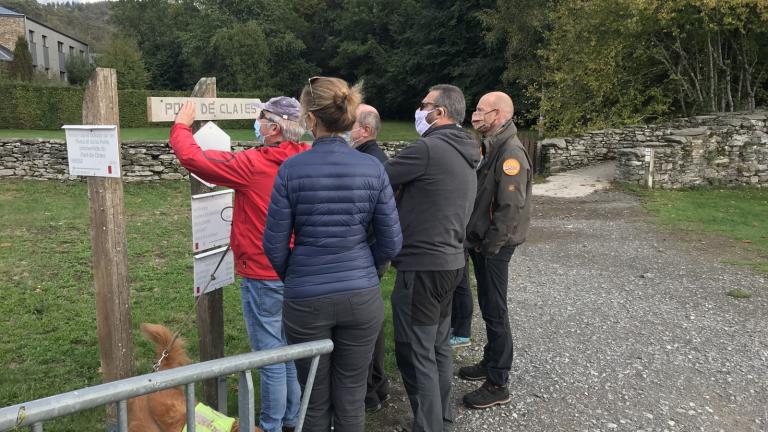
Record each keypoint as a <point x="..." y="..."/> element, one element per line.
<point x="421" y="311"/>
<point x="352" y="321"/>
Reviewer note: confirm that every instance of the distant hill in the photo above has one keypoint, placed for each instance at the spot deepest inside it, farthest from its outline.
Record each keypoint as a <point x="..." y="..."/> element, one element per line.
<point x="88" y="22"/>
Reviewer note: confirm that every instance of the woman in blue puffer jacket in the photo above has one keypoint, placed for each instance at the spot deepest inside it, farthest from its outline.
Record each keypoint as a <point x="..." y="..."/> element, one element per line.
<point x="327" y="198"/>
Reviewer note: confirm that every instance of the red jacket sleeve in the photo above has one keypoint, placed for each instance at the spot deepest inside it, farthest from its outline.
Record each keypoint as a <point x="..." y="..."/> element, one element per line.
<point x="223" y="168"/>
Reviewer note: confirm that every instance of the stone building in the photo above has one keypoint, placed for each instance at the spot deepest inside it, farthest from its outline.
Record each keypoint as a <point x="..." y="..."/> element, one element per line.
<point x="50" y="48"/>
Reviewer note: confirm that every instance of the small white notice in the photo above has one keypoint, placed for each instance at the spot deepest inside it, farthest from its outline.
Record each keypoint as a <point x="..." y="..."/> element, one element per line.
<point x="205" y="264"/>
<point x="212" y="137"/>
<point x="211" y="219"/>
<point x="92" y="150"/>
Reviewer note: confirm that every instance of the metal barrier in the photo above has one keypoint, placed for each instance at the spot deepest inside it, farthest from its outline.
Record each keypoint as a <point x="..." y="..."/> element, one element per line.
<point x="34" y="413"/>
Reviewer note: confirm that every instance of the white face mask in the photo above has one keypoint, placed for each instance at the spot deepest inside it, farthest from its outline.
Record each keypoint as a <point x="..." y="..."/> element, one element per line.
<point x="421" y="121"/>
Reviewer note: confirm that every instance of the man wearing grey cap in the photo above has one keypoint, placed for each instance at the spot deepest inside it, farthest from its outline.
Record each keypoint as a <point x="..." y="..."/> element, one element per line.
<point x="251" y="173"/>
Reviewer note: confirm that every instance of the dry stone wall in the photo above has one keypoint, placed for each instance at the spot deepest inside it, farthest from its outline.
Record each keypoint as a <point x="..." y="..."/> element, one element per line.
<point x="722" y="149"/>
<point x="141" y="160"/>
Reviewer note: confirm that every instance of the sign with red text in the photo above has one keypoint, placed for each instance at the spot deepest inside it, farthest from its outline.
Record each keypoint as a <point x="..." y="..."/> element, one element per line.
<point x="92" y="151"/>
<point x="205" y="268"/>
<point x="211" y="219"/>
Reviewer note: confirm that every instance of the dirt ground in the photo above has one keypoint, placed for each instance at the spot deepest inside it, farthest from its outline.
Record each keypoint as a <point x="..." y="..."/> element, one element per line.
<point x="620" y="325"/>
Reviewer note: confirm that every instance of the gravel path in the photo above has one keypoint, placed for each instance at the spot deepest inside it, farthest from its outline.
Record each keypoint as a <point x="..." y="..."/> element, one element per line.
<point x="620" y="326"/>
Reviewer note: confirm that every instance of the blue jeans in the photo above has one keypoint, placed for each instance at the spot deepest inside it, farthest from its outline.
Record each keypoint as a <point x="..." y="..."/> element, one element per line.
<point x="263" y="313"/>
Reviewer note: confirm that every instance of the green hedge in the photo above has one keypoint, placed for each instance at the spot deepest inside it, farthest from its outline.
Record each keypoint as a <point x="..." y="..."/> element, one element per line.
<point x="24" y="106"/>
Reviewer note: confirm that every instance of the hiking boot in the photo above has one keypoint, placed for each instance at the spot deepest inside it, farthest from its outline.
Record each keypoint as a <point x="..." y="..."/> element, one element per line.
<point x="476" y="372"/>
<point x="458" y="342"/>
<point x="488" y="395"/>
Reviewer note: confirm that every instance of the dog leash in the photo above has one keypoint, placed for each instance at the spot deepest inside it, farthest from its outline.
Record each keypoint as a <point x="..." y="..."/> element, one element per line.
<point x="159" y="362"/>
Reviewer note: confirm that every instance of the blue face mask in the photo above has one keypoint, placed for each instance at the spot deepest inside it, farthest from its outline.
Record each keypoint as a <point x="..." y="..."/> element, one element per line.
<point x="257" y="132"/>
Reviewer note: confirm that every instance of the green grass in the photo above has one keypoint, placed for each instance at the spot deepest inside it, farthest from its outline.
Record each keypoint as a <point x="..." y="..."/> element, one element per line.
<point x="739" y="213"/>
<point x="48" y="341"/>
<point x="390" y="131"/>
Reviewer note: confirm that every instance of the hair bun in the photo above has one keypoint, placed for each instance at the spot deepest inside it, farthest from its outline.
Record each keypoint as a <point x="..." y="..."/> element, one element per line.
<point x="341" y="97"/>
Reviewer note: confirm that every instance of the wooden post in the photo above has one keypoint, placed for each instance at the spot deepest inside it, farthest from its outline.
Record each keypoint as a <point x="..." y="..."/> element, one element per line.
<point x="109" y="247"/>
<point x="210" y="309"/>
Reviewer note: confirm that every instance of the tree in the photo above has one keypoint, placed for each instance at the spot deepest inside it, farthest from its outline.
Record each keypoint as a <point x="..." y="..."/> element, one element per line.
<point x="124" y="56"/>
<point x="20" y="68"/>
<point x="238" y="63"/>
<point x="79" y="70"/>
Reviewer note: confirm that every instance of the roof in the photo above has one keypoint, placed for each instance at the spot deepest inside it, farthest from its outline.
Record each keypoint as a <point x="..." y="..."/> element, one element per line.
<point x="4" y="11"/>
<point x="5" y="54"/>
<point x="57" y="31"/>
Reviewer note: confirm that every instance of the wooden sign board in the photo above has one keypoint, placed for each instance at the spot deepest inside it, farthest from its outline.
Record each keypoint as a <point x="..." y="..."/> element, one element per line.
<point x="205" y="264"/>
<point x="211" y="219"/>
<point x="92" y="151"/>
<point x="164" y="109"/>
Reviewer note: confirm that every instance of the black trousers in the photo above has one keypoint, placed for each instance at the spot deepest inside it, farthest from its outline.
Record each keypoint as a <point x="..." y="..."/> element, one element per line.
<point x="378" y="384"/>
<point x="352" y="321"/>
<point x="461" y="317"/>
<point x="492" y="274"/>
<point x="421" y="311"/>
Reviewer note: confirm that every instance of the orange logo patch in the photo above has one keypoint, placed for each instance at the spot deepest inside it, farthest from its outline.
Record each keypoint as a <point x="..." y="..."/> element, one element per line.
<point x="511" y="167"/>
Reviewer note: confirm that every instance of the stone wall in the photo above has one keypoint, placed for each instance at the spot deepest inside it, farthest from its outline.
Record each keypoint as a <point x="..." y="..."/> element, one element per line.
<point x="722" y="149"/>
<point x="141" y="160"/>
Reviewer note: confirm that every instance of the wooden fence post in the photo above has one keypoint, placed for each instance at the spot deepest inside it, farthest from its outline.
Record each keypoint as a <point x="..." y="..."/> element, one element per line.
<point x="210" y="309"/>
<point x="109" y="246"/>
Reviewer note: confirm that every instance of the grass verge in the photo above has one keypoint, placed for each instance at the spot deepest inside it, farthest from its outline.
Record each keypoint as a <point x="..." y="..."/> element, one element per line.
<point x="739" y="213"/>
<point x="48" y="341"/>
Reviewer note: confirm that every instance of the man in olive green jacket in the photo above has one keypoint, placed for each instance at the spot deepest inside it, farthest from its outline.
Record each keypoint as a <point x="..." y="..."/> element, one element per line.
<point x="498" y="224"/>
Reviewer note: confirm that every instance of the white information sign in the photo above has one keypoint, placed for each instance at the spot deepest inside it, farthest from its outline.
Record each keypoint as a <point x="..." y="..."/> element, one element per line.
<point x="161" y="109"/>
<point x="92" y="150"/>
<point x="205" y="263"/>
<point x="211" y="219"/>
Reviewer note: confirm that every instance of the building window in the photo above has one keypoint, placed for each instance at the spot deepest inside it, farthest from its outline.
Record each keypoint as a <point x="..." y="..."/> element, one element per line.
<point x="45" y="41"/>
<point x="63" y="76"/>
<point x="82" y="53"/>
<point x="31" y="36"/>
<point x="61" y="47"/>
<point x="71" y="51"/>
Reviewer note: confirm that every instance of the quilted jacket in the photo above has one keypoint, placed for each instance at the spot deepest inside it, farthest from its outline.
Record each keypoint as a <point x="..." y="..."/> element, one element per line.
<point x="328" y="197"/>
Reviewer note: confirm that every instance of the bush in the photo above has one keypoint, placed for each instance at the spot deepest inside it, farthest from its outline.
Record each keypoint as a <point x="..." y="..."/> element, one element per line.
<point x="34" y="107"/>
<point x="79" y="70"/>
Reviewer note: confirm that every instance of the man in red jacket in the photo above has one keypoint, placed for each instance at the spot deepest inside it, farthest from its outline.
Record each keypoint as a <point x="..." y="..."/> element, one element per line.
<point x="251" y="173"/>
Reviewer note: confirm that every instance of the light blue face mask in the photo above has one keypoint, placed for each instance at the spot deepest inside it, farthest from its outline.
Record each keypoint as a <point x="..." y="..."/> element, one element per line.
<point x="347" y="137"/>
<point x="257" y="132"/>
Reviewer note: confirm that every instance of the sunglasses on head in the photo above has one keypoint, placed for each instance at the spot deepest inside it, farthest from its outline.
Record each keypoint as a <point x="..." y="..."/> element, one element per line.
<point x="312" y="92"/>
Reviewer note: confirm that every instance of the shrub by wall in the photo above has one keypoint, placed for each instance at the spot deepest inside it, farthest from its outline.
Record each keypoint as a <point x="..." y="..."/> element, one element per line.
<point x="24" y="106"/>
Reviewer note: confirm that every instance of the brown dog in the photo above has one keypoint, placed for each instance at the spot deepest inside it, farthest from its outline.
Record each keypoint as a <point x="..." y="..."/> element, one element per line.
<point x="166" y="410"/>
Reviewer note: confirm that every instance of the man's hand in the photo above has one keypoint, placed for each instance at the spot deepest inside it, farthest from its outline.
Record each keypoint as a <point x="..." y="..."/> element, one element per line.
<point x="186" y="114"/>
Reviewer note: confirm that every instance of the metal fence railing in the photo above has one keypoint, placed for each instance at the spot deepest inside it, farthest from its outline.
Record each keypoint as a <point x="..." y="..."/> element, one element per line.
<point x="34" y="413"/>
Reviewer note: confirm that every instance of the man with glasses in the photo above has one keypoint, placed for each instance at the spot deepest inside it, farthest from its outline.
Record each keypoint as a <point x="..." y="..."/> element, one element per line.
<point x="498" y="224"/>
<point x="435" y="185"/>
<point x="251" y="173"/>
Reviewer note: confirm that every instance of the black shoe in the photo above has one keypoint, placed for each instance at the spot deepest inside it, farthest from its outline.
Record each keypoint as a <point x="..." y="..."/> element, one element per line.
<point x="487" y="396"/>
<point x="288" y="428"/>
<point x="476" y="372"/>
<point x="373" y="409"/>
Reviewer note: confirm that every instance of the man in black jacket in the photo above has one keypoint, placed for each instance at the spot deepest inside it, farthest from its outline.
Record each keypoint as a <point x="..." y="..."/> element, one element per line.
<point x="435" y="185"/>
<point x="499" y="223"/>
<point x="363" y="138"/>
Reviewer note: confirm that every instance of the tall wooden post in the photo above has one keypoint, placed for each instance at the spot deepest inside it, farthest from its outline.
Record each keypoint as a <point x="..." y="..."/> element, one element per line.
<point x="210" y="308"/>
<point x="109" y="247"/>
